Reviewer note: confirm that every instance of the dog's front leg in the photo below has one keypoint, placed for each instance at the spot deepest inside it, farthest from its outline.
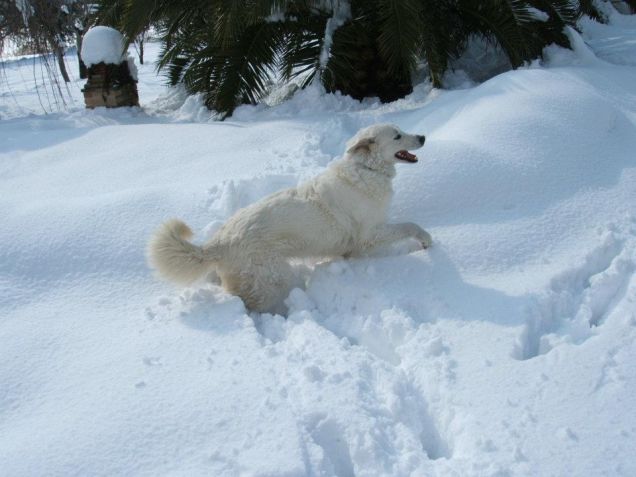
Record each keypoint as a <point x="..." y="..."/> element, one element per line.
<point x="389" y="233"/>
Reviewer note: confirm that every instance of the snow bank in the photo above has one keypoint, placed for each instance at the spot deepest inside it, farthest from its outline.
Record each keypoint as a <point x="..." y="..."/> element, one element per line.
<point x="538" y="15"/>
<point x="613" y="42"/>
<point x="102" y="44"/>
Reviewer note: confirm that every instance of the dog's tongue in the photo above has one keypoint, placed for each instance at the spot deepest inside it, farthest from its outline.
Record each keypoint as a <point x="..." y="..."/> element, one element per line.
<point x="406" y="156"/>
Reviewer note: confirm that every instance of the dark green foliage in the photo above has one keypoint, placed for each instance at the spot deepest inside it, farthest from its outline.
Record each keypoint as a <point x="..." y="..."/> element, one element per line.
<point x="357" y="66"/>
<point x="229" y="50"/>
<point x="512" y="23"/>
<point x="588" y="8"/>
<point x="443" y="36"/>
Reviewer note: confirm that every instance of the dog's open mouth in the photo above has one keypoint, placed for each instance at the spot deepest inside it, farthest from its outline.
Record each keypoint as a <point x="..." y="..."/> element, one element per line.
<point x="406" y="156"/>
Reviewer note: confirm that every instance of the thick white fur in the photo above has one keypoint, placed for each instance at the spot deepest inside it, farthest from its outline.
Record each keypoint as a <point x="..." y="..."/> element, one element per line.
<point x="341" y="212"/>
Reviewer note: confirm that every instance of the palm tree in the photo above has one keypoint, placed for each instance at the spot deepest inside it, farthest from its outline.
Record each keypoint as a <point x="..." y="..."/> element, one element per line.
<point x="230" y="50"/>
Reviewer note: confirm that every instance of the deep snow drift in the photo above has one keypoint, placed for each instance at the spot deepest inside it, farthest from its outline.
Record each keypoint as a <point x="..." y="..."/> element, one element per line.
<point x="507" y="349"/>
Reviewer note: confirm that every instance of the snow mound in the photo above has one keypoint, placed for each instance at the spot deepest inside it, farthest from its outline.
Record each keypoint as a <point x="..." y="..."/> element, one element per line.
<point x="102" y="44"/>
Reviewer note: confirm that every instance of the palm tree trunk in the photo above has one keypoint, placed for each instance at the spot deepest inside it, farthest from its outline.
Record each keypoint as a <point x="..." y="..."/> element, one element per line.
<point x="83" y="71"/>
<point x="59" y="54"/>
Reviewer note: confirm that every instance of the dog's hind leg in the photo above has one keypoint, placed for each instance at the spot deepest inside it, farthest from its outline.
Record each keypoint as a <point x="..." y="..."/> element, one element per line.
<point x="262" y="287"/>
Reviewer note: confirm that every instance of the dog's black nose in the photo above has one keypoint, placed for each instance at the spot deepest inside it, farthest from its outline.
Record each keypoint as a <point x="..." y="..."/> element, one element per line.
<point x="421" y="139"/>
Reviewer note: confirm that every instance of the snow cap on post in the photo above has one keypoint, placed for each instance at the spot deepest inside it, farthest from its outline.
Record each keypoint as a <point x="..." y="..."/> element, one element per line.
<point x="102" y="44"/>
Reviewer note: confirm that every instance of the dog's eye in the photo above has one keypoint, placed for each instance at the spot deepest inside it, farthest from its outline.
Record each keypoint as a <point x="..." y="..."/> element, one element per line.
<point x="399" y="136"/>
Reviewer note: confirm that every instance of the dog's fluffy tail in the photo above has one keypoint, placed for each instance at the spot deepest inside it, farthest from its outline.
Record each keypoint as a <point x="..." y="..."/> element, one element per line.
<point x="175" y="258"/>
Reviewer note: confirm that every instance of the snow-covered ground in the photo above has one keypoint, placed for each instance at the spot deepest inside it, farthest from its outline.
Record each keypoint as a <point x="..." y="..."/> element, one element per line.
<point x="506" y="349"/>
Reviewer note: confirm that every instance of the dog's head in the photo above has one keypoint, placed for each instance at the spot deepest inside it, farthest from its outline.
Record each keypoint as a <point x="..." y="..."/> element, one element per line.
<point x="384" y="144"/>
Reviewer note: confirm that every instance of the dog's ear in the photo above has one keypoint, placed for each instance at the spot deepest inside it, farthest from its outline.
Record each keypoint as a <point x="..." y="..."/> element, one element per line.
<point x="362" y="144"/>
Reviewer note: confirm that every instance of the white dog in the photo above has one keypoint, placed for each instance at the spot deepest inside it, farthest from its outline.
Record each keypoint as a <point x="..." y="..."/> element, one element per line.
<point x="341" y="212"/>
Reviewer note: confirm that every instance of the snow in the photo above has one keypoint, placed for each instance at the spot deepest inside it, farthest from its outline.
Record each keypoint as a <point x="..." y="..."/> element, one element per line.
<point x="341" y="13"/>
<point x="132" y="68"/>
<point x="614" y="42"/>
<point x="506" y="349"/>
<point x="538" y="15"/>
<point x="102" y="44"/>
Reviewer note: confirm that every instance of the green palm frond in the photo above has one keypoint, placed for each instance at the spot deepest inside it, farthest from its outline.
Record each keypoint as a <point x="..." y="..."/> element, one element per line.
<point x="244" y="69"/>
<point x="443" y="36"/>
<point x="511" y="22"/>
<point x="229" y="22"/>
<point x="562" y="12"/>
<point x="399" y="26"/>
<point x="110" y="12"/>
<point x="351" y="53"/>
<point x="588" y="7"/>
<point x="300" y="53"/>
